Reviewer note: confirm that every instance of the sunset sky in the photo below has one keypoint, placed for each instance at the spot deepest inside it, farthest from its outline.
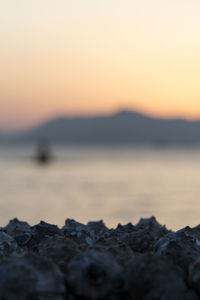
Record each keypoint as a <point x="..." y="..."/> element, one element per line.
<point x="73" y="57"/>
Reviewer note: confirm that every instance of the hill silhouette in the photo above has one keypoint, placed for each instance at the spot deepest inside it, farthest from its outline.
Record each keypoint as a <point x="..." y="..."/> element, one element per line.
<point x="124" y="127"/>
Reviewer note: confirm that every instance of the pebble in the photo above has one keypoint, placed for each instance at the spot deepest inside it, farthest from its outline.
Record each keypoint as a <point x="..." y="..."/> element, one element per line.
<point x="143" y="261"/>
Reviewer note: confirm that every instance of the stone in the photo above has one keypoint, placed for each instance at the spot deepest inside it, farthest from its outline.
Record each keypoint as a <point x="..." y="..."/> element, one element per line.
<point x="92" y="262"/>
<point x="93" y="275"/>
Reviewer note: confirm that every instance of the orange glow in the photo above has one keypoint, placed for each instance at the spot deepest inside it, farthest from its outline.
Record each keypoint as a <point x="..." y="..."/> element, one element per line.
<point x="95" y="57"/>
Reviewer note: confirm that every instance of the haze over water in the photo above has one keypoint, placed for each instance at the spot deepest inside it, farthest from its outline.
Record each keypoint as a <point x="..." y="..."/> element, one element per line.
<point x="117" y="185"/>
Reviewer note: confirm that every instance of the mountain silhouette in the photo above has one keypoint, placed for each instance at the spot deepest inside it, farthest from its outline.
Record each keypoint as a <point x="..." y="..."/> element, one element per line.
<point x="124" y="127"/>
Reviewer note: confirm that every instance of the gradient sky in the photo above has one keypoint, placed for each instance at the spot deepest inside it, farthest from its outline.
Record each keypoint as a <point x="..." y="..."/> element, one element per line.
<point x="96" y="56"/>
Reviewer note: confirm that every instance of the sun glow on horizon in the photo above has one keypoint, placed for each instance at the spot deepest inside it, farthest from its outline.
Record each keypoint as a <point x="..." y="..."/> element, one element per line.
<point x="96" y="57"/>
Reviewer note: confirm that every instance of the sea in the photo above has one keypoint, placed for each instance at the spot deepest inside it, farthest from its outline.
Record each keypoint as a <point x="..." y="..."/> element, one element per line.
<point x="116" y="184"/>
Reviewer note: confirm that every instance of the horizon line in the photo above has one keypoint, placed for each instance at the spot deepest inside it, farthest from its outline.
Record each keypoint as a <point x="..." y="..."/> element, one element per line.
<point x="14" y="130"/>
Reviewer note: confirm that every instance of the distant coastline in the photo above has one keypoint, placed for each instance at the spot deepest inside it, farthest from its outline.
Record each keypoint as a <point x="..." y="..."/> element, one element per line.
<point x="121" y="128"/>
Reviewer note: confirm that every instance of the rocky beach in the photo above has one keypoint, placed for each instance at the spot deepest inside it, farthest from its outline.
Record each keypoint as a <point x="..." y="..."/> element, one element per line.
<point x="142" y="261"/>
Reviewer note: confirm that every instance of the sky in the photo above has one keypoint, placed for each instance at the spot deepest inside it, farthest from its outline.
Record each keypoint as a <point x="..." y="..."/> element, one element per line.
<point x="72" y="57"/>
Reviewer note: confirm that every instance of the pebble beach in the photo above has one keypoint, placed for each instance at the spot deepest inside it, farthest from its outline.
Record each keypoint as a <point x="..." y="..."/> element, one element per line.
<point x="78" y="261"/>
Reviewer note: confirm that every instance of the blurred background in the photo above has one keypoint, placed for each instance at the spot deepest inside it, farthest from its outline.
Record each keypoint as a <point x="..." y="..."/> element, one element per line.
<point x="100" y="111"/>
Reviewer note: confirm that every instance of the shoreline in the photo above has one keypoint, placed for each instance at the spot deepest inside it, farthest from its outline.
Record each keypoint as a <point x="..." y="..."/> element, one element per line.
<point x="77" y="261"/>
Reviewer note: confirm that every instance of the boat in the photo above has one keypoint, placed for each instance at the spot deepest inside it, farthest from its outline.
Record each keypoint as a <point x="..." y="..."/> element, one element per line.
<point x="43" y="153"/>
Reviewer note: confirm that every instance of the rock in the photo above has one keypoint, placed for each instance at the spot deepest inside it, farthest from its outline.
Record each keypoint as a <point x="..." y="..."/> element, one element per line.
<point x="23" y="239"/>
<point x="140" y="241"/>
<point x="20" y="231"/>
<point x="128" y="228"/>
<point x="38" y="233"/>
<point x="194" y="275"/>
<point x="77" y="232"/>
<point x="8" y="245"/>
<point x="150" y="277"/>
<point x="73" y="226"/>
<point x="16" y="227"/>
<point x="97" y="229"/>
<point x="180" y="248"/>
<point x="59" y="249"/>
<point x="152" y="225"/>
<point x="93" y="275"/>
<point x="44" y="229"/>
<point x="119" y="250"/>
<point x="141" y="238"/>
<point x="91" y="262"/>
<point x="30" y="277"/>
<point x="122" y="253"/>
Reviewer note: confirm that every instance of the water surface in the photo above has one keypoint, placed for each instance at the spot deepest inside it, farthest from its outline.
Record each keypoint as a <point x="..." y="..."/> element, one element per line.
<point x="114" y="184"/>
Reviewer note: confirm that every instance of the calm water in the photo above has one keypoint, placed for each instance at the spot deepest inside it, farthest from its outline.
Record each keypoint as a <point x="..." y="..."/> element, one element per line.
<point x="117" y="185"/>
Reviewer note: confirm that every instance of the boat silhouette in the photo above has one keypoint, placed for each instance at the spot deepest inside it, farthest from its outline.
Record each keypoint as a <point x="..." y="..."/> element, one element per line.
<point x="43" y="154"/>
